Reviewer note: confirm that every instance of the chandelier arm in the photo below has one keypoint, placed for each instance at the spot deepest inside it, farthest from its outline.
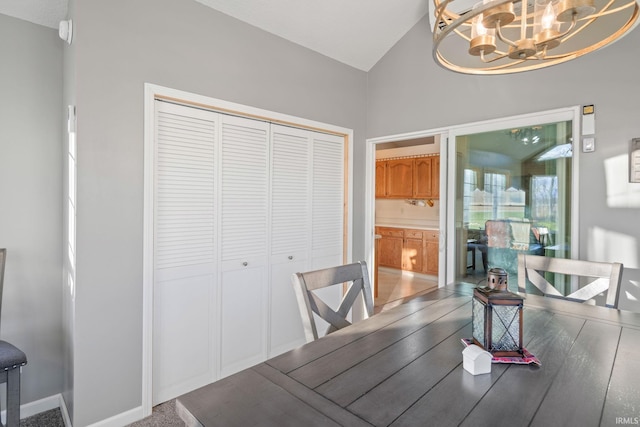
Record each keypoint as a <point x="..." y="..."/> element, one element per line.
<point x="499" y="55"/>
<point x="501" y="37"/>
<point x="462" y="35"/>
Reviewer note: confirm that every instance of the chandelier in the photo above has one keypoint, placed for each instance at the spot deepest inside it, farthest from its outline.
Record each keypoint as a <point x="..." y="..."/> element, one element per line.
<point x="526" y="136"/>
<point x="509" y="36"/>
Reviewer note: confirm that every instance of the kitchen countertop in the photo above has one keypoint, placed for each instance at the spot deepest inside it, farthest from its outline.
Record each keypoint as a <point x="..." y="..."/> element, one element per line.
<point x="409" y="226"/>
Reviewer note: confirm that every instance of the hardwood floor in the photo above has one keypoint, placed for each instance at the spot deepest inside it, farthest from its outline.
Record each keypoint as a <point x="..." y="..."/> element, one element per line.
<point x="395" y="288"/>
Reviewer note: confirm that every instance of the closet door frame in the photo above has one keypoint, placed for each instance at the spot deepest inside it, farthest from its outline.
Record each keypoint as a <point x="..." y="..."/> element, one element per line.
<point x="154" y="92"/>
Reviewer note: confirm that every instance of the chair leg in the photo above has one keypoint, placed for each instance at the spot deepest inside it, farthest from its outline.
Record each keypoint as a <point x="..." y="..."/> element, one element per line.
<point x="13" y="397"/>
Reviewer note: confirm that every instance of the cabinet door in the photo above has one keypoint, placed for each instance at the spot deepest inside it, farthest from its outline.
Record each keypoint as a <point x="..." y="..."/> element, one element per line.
<point x="391" y="242"/>
<point x="431" y="252"/>
<point x="435" y="177"/>
<point x="381" y="179"/>
<point x="243" y="228"/>
<point x="422" y="177"/>
<point x="400" y="178"/>
<point x="290" y="224"/>
<point x="412" y="254"/>
<point x="413" y="251"/>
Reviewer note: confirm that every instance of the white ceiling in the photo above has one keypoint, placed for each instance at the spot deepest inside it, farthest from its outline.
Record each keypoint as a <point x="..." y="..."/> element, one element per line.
<point x="355" y="32"/>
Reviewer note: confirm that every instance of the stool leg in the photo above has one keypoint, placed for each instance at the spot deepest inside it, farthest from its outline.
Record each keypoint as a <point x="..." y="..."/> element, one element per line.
<point x="13" y="397"/>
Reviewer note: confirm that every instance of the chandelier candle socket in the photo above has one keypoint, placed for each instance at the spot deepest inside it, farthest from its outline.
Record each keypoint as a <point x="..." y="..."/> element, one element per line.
<point x="508" y="36"/>
<point x="497" y="317"/>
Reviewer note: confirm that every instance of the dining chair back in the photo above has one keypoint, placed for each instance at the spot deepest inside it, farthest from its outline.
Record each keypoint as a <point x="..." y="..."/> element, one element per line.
<point x="597" y="277"/>
<point x="356" y="279"/>
<point x="11" y="360"/>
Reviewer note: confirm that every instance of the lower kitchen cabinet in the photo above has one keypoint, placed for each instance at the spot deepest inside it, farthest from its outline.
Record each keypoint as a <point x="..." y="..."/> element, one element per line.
<point x="413" y="251"/>
<point x="409" y="249"/>
<point x="431" y="239"/>
<point x="391" y="244"/>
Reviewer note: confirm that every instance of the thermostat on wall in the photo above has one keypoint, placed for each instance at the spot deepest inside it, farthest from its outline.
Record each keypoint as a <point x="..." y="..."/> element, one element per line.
<point x="588" y="144"/>
<point x="634" y="160"/>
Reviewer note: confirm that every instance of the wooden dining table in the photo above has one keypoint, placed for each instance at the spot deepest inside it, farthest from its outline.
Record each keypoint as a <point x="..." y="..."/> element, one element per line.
<point x="403" y="367"/>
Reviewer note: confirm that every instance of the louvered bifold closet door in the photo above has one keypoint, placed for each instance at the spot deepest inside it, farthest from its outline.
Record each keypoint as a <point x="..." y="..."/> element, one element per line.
<point x="328" y="206"/>
<point x="184" y="249"/>
<point x="244" y="223"/>
<point x="290" y="232"/>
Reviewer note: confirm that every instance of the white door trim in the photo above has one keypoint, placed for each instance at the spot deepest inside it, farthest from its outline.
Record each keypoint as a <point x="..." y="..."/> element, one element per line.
<point x="370" y="192"/>
<point x="153" y="92"/>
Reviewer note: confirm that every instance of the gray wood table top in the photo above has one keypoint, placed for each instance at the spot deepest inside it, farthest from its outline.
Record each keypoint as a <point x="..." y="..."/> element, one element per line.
<point x="403" y="367"/>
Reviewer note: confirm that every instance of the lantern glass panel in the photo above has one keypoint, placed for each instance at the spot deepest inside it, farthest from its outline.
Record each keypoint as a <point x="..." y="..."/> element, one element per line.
<point x="478" y="309"/>
<point x="505" y="331"/>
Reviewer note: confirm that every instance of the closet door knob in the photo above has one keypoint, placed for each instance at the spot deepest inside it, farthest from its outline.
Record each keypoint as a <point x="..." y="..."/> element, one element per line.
<point x="290" y="256"/>
<point x="245" y="263"/>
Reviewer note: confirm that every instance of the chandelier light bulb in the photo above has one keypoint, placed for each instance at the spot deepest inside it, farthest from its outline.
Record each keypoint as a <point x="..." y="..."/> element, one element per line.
<point x="549" y="17"/>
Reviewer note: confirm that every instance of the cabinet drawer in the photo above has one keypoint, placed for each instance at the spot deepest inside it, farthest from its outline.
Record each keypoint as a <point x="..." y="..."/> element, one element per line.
<point x="391" y="232"/>
<point x="413" y="234"/>
<point x="432" y="236"/>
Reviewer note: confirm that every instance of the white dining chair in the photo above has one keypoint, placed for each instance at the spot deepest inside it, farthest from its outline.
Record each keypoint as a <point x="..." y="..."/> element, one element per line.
<point x="354" y="276"/>
<point x="596" y="277"/>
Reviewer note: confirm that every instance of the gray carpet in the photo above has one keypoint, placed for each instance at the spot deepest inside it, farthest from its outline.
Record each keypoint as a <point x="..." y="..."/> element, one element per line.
<point x="50" y="418"/>
<point x="163" y="415"/>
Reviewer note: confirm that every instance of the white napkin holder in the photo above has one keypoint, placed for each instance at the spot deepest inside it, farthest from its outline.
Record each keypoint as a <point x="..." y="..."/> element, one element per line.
<point x="475" y="360"/>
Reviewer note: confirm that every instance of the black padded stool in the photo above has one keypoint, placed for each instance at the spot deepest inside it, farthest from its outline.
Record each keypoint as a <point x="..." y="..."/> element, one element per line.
<point x="11" y="360"/>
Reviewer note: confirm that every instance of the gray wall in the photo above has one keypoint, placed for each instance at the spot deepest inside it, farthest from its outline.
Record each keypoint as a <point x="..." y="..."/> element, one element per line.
<point x="30" y="203"/>
<point x="407" y="91"/>
<point x="90" y="348"/>
<point x="68" y="307"/>
<point x="120" y="45"/>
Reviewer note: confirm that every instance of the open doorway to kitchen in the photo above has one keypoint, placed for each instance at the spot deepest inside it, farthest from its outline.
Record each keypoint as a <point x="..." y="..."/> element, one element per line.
<point x="407" y="219"/>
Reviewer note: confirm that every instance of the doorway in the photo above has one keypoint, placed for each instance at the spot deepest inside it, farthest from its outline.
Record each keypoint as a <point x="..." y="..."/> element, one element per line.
<point x="406" y="219"/>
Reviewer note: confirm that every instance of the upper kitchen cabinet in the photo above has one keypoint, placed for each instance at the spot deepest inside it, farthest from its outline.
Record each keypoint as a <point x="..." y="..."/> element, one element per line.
<point x="417" y="177"/>
<point x="381" y="179"/>
<point x="426" y="177"/>
<point x="399" y="177"/>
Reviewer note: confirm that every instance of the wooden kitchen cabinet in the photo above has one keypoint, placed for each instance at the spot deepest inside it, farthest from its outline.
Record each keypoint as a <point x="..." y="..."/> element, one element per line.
<point x="381" y="179"/>
<point x="408" y="178"/>
<point x="391" y="247"/>
<point x="413" y="251"/>
<point x="399" y="178"/>
<point x="408" y="249"/>
<point x="431" y="242"/>
<point x="426" y="177"/>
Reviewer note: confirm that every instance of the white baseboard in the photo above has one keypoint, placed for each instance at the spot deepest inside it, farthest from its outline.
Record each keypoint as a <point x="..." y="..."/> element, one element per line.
<point x="35" y="407"/>
<point x="65" y="412"/>
<point x="56" y="401"/>
<point x="121" y="419"/>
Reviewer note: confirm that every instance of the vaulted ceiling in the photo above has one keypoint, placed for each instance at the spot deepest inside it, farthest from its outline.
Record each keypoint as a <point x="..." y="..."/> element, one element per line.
<point x="355" y="32"/>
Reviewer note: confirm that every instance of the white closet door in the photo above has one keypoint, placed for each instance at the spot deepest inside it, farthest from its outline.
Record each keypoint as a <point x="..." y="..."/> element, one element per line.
<point x="184" y="249"/>
<point x="244" y="226"/>
<point x="327" y="231"/>
<point x="290" y="225"/>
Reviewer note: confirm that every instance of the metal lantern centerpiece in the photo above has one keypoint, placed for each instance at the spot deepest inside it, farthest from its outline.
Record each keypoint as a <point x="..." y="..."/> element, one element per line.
<point x="497" y="316"/>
